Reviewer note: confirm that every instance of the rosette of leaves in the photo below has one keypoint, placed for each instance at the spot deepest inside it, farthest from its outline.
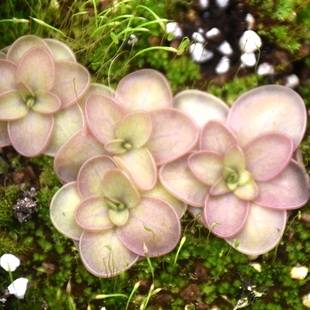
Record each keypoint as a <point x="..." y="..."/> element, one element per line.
<point x="245" y="175"/>
<point x="138" y="128"/>
<point x="40" y="84"/>
<point x="113" y="222"/>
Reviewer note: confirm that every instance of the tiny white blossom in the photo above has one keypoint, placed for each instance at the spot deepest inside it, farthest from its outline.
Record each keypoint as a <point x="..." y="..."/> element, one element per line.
<point x="18" y="287"/>
<point x="9" y="262"/>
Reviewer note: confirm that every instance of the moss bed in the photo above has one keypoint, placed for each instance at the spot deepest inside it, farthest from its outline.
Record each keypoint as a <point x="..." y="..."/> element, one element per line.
<point x="203" y="272"/>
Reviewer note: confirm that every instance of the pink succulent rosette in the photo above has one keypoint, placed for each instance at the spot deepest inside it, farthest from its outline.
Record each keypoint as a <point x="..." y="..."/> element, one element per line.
<point x="243" y="178"/>
<point x="113" y="222"/>
<point x="40" y="84"/>
<point x="138" y="128"/>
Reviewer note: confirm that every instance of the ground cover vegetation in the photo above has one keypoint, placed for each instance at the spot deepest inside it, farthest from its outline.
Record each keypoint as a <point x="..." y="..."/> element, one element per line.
<point x="203" y="271"/>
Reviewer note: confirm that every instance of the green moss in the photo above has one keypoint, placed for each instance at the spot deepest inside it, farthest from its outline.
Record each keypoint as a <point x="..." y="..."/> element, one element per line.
<point x="8" y="198"/>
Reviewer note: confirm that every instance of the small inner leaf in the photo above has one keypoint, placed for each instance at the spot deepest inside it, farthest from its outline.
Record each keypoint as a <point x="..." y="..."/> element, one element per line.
<point x="117" y="146"/>
<point x="119" y="218"/>
<point x="25" y="92"/>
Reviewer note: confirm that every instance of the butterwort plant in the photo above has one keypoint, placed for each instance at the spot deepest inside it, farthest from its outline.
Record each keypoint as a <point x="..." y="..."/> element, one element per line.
<point x="113" y="222"/>
<point x="137" y="127"/>
<point x="245" y="175"/>
<point x="40" y="85"/>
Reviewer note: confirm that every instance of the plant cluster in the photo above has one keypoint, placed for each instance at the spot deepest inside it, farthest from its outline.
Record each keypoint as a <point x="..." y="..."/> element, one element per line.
<point x="133" y="158"/>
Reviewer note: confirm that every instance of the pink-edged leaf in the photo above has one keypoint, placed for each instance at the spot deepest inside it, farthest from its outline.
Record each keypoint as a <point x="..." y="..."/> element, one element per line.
<point x="140" y="166"/>
<point x="152" y="223"/>
<point x="288" y="190"/>
<point x="116" y="147"/>
<point x="7" y="76"/>
<point x="12" y="106"/>
<point x="174" y="134"/>
<point x="262" y="231"/>
<point x="22" y="45"/>
<point x="268" y="154"/>
<point x="2" y="55"/>
<point x="135" y="128"/>
<point x="60" y="50"/>
<point x="216" y="137"/>
<point x="202" y="107"/>
<point x="36" y="69"/>
<point x="206" y="166"/>
<point x="71" y="81"/>
<point x="219" y="188"/>
<point x="96" y="88"/>
<point x="4" y="135"/>
<point x="67" y="122"/>
<point x="91" y="214"/>
<point x="145" y="89"/>
<point x="225" y="215"/>
<point x="46" y="102"/>
<point x="31" y="134"/>
<point x="62" y="209"/>
<point x="159" y="191"/>
<point x="78" y="148"/>
<point x="91" y="175"/>
<point x="118" y="187"/>
<point x="234" y="159"/>
<point x="177" y="178"/>
<point x="247" y="191"/>
<point x="104" y="255"/>
<point x="102" y="115"/>
<point x="268" y="108"/>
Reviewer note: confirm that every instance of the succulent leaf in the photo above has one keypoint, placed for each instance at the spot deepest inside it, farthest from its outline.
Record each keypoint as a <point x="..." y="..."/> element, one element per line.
<point x="62" y="209"/>
<point x="262" y="231"/>
<point x="225" y="214"/>
<point x="145" y="90"/>
<point x="36" y="132"/>
<point x="152" y="222"/>
<point x="268" y="108"/>
<point x="104" y="255"/>
<point x="177" y="179"/>
<point x="174" y="134"/>
<point x="91" y="214"/>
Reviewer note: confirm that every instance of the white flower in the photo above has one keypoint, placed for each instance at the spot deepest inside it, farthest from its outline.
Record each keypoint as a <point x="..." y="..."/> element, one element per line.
<point x="18" y="287"/>
<point x="9" y="262"/>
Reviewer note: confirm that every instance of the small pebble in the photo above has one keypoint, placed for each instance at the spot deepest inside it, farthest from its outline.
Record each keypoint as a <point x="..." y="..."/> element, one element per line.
<point x="256" y="266"/>
<point x="248" y="59"/>
<point x="292" y="81"/>
<point x="225" y="49"/>
<point x="199" y="54"/>
<point x="250" y="42"/>
<point x="174" y="28"/>
<point x="196" y="36"/>
<point x="299" y="272"/>
<point x="305" y="217"/>
<point x="223" y="65"/>
<point x="214" y="32"/>
<point x="204" y="4"/>
<point x="265" y="69"/>
<point x="306" y="300"/>
<point x="222" y="3"/>
<point x="250" y="21"/>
